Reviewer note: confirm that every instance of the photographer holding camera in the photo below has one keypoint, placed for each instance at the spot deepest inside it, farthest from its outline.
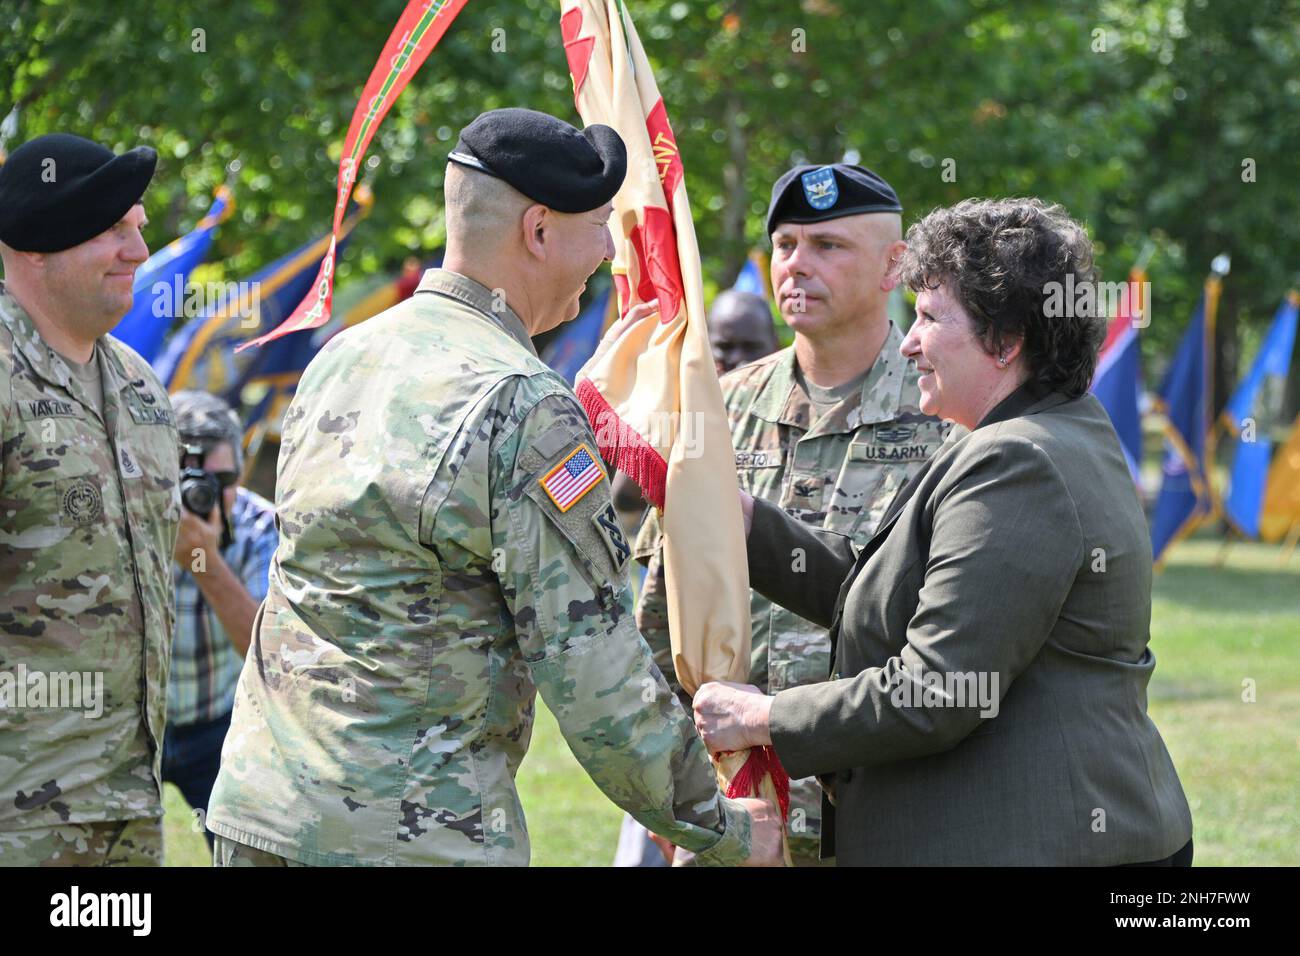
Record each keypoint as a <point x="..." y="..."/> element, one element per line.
<point x="223" y="552"/>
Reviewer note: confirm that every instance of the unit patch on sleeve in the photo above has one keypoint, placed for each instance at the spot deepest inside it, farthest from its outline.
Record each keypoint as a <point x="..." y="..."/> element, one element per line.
<point x="611" y="532"/>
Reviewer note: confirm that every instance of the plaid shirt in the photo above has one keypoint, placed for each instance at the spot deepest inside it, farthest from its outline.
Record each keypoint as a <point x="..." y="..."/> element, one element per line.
<point x="205" y="666"/>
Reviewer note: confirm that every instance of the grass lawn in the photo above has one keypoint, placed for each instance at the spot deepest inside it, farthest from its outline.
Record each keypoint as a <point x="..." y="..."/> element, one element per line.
<point x="1212" y="629"/>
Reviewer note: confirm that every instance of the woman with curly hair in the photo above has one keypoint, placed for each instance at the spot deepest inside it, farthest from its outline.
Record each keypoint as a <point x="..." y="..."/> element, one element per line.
<point x="987" y="701"/>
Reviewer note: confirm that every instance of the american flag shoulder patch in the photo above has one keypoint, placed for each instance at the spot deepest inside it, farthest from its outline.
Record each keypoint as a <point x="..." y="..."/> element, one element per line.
<point x="577" y="474"/>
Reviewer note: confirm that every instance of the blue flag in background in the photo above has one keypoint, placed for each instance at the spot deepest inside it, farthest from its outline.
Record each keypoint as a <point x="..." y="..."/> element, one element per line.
<point x="577" y="343"/>
<point x="202" y="353"/>
<point x="289" y="356"/>
<point x="750" y="279"/>
<point x="1253" y="412"/>
<point x="1117" y="381"/>
<point x="1184" y="498"/>
<point x="160" y="283"/>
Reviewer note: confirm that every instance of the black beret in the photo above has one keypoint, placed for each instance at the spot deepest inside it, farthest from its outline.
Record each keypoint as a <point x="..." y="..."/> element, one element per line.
<point x="818" y="193"/>
<point x="57" y="191"/>
<point x="545" y="158"/>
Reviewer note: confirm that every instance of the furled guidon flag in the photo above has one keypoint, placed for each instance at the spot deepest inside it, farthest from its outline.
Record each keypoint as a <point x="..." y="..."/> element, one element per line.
<point x="653" y="396"/>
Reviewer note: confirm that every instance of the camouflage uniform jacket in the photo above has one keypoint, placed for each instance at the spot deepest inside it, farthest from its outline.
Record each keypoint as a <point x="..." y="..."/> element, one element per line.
<point x="89" y="508"/>
<point x="426" y="586"/>
<point x="839" y="474"/>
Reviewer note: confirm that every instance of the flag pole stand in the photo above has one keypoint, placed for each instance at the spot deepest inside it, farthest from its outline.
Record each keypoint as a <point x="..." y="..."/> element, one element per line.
<point x="1289" y="545"/>
<point x="1229" y="537"/>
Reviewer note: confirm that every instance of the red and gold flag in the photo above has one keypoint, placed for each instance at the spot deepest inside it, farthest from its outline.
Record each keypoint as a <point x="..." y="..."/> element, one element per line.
<point x="653" y="396"/>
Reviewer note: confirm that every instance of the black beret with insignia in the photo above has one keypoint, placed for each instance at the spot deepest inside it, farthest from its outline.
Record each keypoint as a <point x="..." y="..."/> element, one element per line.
<point x="546" y="159"/>
<point x="57" y="191"/>
<point x="818" y="193"/>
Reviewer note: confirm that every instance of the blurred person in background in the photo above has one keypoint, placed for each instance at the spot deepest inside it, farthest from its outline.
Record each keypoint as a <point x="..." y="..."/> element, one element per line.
<point x="223" y="556"/>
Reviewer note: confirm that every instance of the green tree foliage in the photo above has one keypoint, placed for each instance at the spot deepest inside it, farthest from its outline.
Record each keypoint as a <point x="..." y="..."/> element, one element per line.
<point x="1170" y="121"/>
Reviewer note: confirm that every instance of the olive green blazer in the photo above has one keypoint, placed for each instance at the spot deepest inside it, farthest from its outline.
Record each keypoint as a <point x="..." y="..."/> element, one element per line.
<point x="1018" y="563"/>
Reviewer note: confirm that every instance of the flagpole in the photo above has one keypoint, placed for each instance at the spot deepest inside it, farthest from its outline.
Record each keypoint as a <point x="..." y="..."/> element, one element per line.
<point x="1293" y="535"/>
<point x="1144" y="257"/>
<point x="1289" y="545"/>
<point x="1229" y="538"/>
<point x="1219" y="268"/>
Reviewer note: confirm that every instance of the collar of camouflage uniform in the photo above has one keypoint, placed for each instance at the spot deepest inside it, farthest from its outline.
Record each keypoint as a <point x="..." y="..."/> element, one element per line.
<point x="45" y="361"/>
<point x="779" y="400"/>
<point x="453" y="285"/>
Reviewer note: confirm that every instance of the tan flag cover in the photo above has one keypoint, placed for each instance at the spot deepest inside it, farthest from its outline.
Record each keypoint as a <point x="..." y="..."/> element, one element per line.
<point x="653" y="398"/>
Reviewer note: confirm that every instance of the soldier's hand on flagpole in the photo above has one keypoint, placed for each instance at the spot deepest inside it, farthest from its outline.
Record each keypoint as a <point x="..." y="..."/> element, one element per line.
<point x="664" y="845"/>
<point x="638" y="313"/>
<point x="732" y="716"/>
<point x="766" y="830"/>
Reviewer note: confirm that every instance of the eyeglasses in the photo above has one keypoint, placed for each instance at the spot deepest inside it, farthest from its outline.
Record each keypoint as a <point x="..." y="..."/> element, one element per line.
<point x="225" y="478"/>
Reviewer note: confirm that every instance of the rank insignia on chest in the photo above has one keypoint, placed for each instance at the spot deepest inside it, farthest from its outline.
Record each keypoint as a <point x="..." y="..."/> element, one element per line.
<point x="577" y="474"/>
<point x="129" y="467"/>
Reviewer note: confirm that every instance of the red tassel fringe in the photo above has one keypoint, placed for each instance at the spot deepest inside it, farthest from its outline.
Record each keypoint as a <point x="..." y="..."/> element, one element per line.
<point x="762" y="762"/>
<point x="623" y="447"/>
<point x="637" y="458"/>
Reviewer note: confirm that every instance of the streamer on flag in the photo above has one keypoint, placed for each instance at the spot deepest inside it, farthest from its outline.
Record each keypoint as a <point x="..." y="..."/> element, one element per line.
<point x="653" y="397"/>
<point x="418" y="31"/>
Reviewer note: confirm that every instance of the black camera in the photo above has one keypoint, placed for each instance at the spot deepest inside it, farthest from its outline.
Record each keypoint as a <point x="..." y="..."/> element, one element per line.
<point x="200" y="490"/>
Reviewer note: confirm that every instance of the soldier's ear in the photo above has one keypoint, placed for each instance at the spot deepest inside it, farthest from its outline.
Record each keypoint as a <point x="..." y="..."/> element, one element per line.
<point x="10" y="255"/>
<point x="889" y="278"/>
<point x="535" y="224"/>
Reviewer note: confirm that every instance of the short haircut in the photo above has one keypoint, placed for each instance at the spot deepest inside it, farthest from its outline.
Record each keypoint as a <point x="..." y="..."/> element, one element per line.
<point x="1000" y="258"/>
<point x="749" y="304"/>
<point x="480" y="209"/>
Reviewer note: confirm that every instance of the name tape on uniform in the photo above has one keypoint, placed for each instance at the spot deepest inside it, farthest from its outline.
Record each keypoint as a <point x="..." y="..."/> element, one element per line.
<point x="30" y="409"/>
<point x="761" y="458"/>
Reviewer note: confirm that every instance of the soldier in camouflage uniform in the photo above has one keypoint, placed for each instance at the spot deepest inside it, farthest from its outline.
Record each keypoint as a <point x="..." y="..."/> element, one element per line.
<point x="448" y="549"/>
<point x="832" y="456"/>
<point x="89" y="507"/>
